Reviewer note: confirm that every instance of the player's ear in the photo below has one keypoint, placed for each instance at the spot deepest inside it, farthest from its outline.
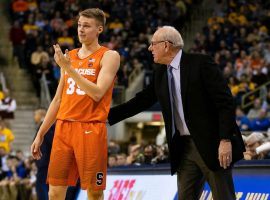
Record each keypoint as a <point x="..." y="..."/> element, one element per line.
<point x="100" y="29"/>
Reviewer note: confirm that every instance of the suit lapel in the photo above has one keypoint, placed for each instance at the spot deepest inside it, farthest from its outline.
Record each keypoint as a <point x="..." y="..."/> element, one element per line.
<point x="184" y="72"/>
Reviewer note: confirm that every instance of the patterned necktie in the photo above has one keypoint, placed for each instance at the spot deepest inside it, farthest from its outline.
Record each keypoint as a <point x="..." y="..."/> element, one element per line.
<point x="176" y="119"/>
<point x="171" y="86"/>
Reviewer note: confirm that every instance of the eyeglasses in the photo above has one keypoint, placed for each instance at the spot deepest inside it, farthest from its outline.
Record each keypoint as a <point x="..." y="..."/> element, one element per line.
<point x="157" y="42"/>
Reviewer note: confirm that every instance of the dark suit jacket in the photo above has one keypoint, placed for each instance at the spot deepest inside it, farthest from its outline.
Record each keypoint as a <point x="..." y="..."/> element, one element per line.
<point x="208" y="109"/>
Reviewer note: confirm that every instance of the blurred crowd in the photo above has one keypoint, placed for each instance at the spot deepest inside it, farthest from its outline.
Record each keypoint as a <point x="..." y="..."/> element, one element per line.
<point x="17" y="171"/>
<point x="237" y="36"/>
<point x="136" y="154"/>
<point x="17" y="176"/>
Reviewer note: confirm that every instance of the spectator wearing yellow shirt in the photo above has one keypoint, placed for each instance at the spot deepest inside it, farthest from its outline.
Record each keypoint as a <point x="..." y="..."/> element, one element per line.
<point x="6" y="137"/>
<point x="30" y="25"/>
<point x="244" y="86"/>
<point x="1" y="95"/>
<point x="233" y="85"/>
<point x="116" y="25"/>
<point x="65" y="40"/>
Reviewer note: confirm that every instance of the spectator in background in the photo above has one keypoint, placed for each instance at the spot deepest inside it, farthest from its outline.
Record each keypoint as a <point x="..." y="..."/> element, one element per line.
<point x="113" y="147"/>
<point x="233" y="85"/>
<point x="17" y="37"/>
<point x="266" y="53"/>
<point x="256" y="61"/>
<point x="3" y="163"/>
<point x="45" y="68"/>
<point x="1" y="92"/>
<point x="38" y="56"/>
<point x="264" y="149"/>
<point x="40" y="64"/>
<point x="261" y="122"/>
<point x="135" y="155"/>
<point x="16" y="169"/>
<point x="19" y="7"/>
<point x="6" y="137"/>
<point x="256" y="109"/>
<point x="20" y="155"/>
<point x="112" y="160"/>
<point x="150" y="152"/>
<point x="8" y="106"/>
<point x="244" y="86"/>
<point x="116" y="26"/>
<point x="65" y="41"/>
<point x="57" y="23"/>
<point x="162" y="154"/>
<point x="30" y="27"/>
<point x="241" y="64"/>
<point x="27" y="189"/>
<point x="242" y="120"/>
<point x="121" y="159"/>
<point x="253" y="141"/>
<point x="12" y="186"/>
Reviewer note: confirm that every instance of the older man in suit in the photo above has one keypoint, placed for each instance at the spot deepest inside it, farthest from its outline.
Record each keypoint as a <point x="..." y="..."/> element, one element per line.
<point x="198" y="110"/>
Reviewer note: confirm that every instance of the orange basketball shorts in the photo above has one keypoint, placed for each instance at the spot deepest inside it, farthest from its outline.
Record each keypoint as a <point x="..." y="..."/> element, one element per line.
<point x="79" y="150"/>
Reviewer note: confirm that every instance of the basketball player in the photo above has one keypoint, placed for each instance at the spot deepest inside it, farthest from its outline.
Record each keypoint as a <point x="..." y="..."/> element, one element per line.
<point x="80" y="141"/>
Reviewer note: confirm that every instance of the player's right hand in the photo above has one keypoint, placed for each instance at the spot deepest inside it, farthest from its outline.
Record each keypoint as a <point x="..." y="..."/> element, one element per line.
<point x="35" y="147"/>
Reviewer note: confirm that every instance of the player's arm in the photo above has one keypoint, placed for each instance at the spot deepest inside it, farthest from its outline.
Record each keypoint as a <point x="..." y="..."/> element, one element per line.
<point x="53" y="108"/>
<point x="110" y="63"/>
<point x="48" y="120"/>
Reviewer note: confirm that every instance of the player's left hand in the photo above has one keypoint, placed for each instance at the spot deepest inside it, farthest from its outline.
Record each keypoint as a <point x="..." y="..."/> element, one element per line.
<point x="225" y="153"/>
<point x="62" y="60"/>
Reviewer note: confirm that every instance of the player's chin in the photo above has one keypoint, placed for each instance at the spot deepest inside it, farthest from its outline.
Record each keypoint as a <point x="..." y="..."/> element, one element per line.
<point x="81" y="40"/>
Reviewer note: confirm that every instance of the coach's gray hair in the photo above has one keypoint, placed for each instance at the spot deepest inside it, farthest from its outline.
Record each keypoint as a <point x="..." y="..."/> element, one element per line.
<point x="172" y="35"/>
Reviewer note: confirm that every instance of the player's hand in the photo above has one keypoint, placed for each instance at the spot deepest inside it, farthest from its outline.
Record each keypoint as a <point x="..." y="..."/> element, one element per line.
<point x="62" y="60"/>
<point x="35" y="147"/>
<point x="225" y="153"/>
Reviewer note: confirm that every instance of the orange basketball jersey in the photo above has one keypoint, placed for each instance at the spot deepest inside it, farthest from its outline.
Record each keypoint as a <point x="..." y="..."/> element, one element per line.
<point x="76" y="105"/>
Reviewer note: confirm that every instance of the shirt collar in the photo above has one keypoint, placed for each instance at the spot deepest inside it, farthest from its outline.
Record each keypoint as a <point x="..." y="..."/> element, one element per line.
<point x="176" y="60"/>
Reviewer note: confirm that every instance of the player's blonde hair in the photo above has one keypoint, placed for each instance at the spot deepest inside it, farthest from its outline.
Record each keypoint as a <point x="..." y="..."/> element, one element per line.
<point x="96" y="14"/>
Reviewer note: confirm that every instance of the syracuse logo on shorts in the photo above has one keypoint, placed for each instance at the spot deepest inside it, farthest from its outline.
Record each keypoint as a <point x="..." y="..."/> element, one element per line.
<point x="99" y="178"/>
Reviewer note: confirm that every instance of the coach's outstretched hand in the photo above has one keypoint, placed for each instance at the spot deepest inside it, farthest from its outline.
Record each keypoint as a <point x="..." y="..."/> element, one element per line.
<point x="35" y="147"/>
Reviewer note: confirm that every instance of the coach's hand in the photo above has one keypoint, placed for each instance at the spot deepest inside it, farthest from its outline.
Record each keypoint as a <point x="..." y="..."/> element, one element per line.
<point x="225" y="153"/>
<point x="35" y="147"/>
<point x="62" y="60"/>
